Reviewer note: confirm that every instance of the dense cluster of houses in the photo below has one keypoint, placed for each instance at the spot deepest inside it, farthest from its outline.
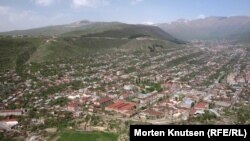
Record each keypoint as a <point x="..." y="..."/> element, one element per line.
<point x="115" y="85"/>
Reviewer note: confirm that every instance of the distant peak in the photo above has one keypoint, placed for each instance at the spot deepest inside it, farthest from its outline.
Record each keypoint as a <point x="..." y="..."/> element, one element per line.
<point x="148" y="23"/>
<point x="217" y="17"/>
<point x="180" y="21"/>
<point x="82" y="22"/>
<point x="183" y="20"/>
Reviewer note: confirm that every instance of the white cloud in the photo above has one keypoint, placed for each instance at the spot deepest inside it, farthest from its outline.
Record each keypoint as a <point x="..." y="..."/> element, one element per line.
<point x="136" y="1"/>
<point x="148" y="23"/>
<point x="12" y="19"/>
<point x="201" y="16"/>
<point x="44" y="2"/>
<point x="82" y="3"/>
<point x="89" y="3"/>
<point x="4" y="10"/>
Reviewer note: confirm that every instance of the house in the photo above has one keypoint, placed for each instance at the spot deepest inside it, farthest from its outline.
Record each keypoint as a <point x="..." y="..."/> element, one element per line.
<point x="199" y="109"/>
<point x="248" y="77"/>
<point x="39" y="121"/>
<point x="2" y="106"/>
<point x="151" y="114"/>
<point x="8" y="123"/>
<point x="128" y="87"/>
<point x="72" y="97"/>
<point x="72" y="107"/>
<point x="187" y="103"/>
<point x="103" y="102"/>
<point x="201" y="106"/>
<point x="84" y="101"/>
<point x="11" y="112"/>
<point x="11" y="122"/>
<point x="123" y="107"/>
<point x="222" y="103"/>
<point x="146" y="99"/>
<point x="127" y="96"/>
<point x="172" y="86"/>
<point x="196" y="112"/>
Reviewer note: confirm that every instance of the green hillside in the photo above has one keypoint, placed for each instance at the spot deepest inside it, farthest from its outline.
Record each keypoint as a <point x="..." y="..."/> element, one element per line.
<point x="14" y="52"/>
<point x="46" y="31"/>
<point x="97" y="29"/>
<point x="94" y="28"/>
<point x="127" y="31"/>
<point x="89" y="39"/>
<point x="56" y="30"/>
<point x="68" y="47"/>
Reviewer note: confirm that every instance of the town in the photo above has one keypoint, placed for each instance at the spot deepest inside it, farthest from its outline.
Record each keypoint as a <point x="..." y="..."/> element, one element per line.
<point x="200" y="82"/>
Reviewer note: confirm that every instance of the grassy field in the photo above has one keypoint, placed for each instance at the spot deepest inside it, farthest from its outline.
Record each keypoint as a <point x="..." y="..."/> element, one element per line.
<point x="87" y="136"/>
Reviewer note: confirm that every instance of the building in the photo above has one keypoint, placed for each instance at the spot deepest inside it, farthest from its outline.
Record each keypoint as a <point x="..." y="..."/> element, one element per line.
<point x="2" y="106"/>
<point x="248" y="77"/>
<point x="103" y="102"/>
<point x="201" y="106"/>
<point x="8" y="124"/>
<point x="146" y="99"/>
<point x="72" y="107"/>
<point x="172" y="86"/>
<point x="128" y="87"/>
<point x="231" y="79"/>
<point x="123" y="107"/>
<point x="199" y="109"/>
<point x="11" y="112"/>
<point x="127" y="96"/>
<point x="187" y="103"/>
<point x="151" y="114"/>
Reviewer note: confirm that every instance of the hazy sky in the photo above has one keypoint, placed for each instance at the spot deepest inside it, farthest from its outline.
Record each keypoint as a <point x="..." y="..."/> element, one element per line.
<point x="23" y="14"/>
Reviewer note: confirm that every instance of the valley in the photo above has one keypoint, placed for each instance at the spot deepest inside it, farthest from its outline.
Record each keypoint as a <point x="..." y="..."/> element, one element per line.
<point x="157" y="82"/>
<point x="124" y="70"/>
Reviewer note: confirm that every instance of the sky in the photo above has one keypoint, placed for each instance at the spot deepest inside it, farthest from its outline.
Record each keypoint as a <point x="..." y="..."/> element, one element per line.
<point x="25" y="14"/>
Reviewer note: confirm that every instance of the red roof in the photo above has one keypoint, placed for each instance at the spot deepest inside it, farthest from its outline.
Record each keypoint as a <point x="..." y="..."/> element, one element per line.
<point x="104" y="100"/>
<point x="201" y="105"/>
<point x="72" y="104"/>
<point x="122" y="105"/>
<point x="8" y="111"/>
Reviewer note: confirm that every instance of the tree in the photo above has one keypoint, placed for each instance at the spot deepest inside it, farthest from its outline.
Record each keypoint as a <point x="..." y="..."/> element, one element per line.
<point x="243" y="115"/>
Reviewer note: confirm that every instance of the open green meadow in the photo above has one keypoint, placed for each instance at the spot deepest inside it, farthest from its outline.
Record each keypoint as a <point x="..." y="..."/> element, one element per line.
<point x="87" y="136"/>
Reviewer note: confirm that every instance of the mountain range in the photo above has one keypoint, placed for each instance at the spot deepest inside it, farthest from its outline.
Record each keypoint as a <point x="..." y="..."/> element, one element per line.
<point x="85" y="38"/>
<point x="210" y="28"/>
